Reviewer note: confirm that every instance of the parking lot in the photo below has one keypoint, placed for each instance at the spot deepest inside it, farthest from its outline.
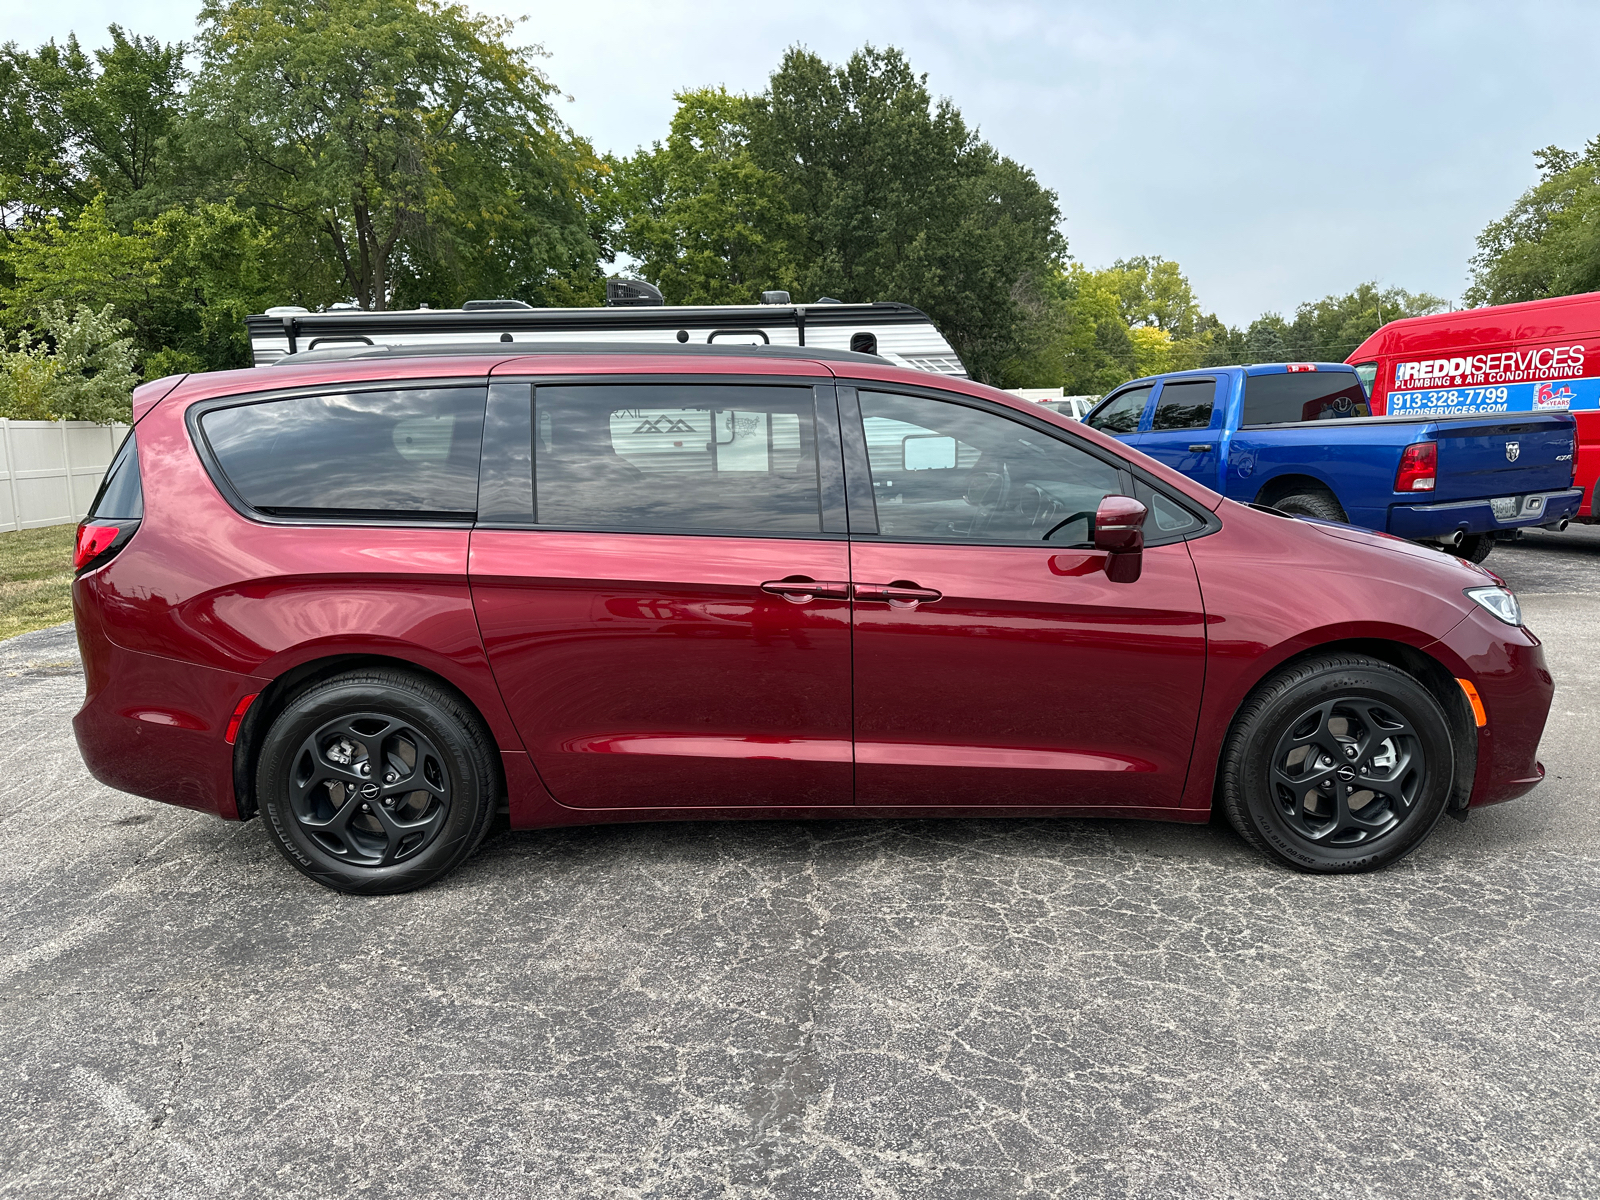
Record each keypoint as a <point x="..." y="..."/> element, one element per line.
<point x="842" y="1009"/>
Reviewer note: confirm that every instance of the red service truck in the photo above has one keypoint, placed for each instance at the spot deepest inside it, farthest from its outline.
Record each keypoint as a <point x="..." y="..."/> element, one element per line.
<point x="1539" y="356"/>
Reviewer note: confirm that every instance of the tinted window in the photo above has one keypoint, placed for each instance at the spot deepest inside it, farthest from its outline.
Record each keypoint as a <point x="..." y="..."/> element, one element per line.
<point x="1121" y="413"/>
<point x="1303" y="396"/>
<point x="384" y="454"/>
<point x="121" y="495"/>
<point x="662" y="457"/>
<point x="1185" y="404"/>
<point x="946" y="472"/>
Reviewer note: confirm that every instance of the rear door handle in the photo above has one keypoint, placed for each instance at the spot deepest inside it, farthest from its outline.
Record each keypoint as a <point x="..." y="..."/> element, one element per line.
<point x="802" y="589"/>
<point x="1199" y="447"/>
<point x="902" y="593"/>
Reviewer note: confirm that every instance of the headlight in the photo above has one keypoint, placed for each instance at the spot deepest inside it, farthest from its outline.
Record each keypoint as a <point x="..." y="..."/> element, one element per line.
<point x="1501" y="604"/>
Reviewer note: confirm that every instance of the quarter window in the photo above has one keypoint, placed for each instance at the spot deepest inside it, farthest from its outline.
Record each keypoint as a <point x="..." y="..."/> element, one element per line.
<point x="388" y="454"/>
<point x="1185" y="404"/>
<point x="688" y="457"/>
<point x="946" y="472"/>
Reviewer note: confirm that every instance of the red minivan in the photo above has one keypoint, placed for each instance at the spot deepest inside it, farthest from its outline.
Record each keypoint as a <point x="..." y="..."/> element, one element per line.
<point x="1539" y="356"/>
<point x="380" y="598"/>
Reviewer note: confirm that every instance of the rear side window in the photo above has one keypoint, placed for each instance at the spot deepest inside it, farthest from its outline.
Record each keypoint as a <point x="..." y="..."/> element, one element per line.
<point x="121" y="495"/>
<point x="389" y="454"/>
<point x="1185" y="404"/>
<point x="1121" y="413"/>
<point x="697" y="458"/>
<point x="1289" y="398"/>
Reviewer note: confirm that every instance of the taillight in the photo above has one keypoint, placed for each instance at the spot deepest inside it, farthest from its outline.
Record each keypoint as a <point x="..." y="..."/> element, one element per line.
<point x="1419" y="468"/>
<point x="93" y="541"/>
<point x="99" y="541"/>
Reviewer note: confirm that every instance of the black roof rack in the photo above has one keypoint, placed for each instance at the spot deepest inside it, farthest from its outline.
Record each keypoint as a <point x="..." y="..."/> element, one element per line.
<point x="355" y="351"/>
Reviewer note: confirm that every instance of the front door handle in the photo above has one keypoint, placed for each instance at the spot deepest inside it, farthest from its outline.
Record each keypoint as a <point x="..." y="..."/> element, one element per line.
<point x="902" y="593"/>
<point x="1199" y="447"/>
<point x="802" y="589"/>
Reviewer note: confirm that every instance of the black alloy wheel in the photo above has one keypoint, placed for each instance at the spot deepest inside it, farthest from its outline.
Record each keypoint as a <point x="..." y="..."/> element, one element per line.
<point x="1338" y="764"/>
<point x="370" y="788"/>
<point x="1347" y="772"/>
<point x="376" y="782"/>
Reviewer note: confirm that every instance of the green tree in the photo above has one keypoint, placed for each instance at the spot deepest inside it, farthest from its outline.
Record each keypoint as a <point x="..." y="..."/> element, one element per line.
<point x="1549" y="243"/>
<point x="704" y="220"/>
<point x="184" y="280"/>
<point x="75" y="125"/>
<point x="847" y="181"/>
<point x="1329" y="330"/>
<point x="80" y="369"/>
<point x="402" y="142"/>
<point x="899" y="200"/>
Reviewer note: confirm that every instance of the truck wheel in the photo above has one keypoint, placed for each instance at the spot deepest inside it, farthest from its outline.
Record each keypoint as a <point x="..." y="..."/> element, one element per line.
<point x="1320" y="505"/>
<point x="1475" y="547"/>
<point x="1338" y="764"/>
<point x="376" y="782"/>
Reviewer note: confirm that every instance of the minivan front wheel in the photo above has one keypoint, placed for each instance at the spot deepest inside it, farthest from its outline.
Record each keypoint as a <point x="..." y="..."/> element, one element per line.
<point x="375" y="782"/>
<point x="1338" y="764"/>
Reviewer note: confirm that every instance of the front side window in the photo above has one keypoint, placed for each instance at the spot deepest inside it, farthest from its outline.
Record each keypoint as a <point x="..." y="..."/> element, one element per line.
<point x="698" y="458"/>
<point x="392" y="454"/>
<point x="1291" y="397"/>
<point x="1121" y="413"/>
<point x="947" y="472"/>
<point x="1185" y="404"/>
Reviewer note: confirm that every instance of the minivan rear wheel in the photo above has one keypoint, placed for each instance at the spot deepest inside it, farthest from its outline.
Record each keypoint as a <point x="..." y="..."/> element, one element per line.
<point x="376" y="781"/>
<point x="1338" y="764"/>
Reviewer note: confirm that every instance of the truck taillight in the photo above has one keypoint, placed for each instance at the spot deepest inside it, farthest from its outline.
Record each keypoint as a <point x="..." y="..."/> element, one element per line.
<point x="1419" y="468"/>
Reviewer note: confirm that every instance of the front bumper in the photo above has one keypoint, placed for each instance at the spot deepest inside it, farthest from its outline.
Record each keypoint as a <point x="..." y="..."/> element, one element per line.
<point x="1417" y="522"/>
<point x="1508" y="668"/>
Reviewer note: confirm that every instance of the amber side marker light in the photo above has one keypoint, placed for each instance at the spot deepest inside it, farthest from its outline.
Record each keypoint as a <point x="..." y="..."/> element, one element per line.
<point x="1478" y="715"/>
<point x="244" y="707"/>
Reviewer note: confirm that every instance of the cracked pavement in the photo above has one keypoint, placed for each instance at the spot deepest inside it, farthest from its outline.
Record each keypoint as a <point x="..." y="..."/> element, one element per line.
<point x="957" y="1008"/>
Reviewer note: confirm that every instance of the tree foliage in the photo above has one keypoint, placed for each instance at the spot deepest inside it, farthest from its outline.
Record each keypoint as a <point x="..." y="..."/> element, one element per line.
<point x="846" y="181"/>
<point x="1549" y="243"/>
<point x="80" y="368"/>
<point x="403" y="145"/>
<point x="74" y="125"/>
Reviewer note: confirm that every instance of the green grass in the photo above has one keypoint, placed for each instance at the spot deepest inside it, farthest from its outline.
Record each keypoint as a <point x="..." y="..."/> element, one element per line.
<point x="35" y="578"/>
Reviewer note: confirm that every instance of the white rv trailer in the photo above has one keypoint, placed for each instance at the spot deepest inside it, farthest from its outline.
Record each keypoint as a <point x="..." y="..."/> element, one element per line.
<point x="897" y="333"/>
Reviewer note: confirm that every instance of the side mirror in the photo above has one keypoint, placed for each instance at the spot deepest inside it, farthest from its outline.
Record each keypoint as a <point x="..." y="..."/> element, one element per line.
<point x="1119" y="531"/>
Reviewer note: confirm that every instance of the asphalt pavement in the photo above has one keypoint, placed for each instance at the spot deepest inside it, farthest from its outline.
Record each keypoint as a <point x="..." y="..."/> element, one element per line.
<point x="957" y="1008"/>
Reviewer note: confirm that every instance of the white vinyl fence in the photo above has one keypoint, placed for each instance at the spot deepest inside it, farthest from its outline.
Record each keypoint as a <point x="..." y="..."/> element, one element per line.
<point x="50" y="470"/>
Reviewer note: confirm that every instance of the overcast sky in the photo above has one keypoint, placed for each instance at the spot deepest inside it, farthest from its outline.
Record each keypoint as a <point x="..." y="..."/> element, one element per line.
<point x="1278" y="152"/>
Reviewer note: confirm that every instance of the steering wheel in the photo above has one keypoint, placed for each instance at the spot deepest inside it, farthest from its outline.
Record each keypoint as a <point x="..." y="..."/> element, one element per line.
<point x="986" y="509"/>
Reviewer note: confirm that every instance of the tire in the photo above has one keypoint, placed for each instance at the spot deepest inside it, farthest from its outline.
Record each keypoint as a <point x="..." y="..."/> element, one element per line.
<point x="1274" y="793"/>
<point x="333" y="813"/>
<point x="1475" y="547"/>
<point x="1320" y="505"/>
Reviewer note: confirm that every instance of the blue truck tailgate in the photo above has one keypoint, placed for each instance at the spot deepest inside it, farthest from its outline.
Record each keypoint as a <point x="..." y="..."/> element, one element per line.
<point x="1501" y="456"/>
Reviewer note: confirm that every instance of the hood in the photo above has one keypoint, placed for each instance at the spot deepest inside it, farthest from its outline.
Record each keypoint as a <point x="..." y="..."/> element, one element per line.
<point x="1451" y="575"/>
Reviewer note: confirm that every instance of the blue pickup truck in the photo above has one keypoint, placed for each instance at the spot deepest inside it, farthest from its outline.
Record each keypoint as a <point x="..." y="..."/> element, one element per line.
<point x="1300" y="437"/>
